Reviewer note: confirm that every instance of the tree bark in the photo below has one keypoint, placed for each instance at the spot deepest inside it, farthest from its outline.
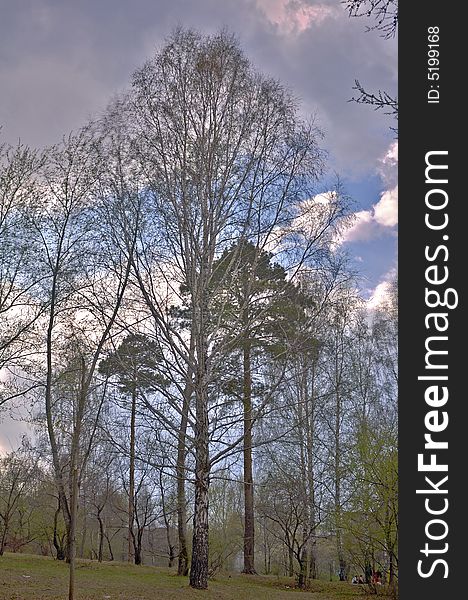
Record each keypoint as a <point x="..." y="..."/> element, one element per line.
<point x="131" y="483"/>
<point x="183" y="565"/>
<point x="137" y="547"/>
<point x="338" y="511"/>
<point x="302" y="575"/>
<point x="74" y="479"/>
<point x="199" y="564"/>
<point x="171" y="557"/>
<point x="57" y="545"/>
<point x="310" y="443"/>
<point x="249" y="525"/>
<point x="4" y="534"/>
<point x="101" y="536"/>
<point x="84" y="531"/>
<point x="183" y="559"/>
<point x="109" y="546"/>
<point x="72" y="534"/>
<point x="167" y="523"/>
<point x="290" y="562"/>
<point x="58" y="475"/>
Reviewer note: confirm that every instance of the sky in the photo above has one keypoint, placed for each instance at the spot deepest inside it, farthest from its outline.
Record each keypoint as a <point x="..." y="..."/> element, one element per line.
<point x="61" y="62"/>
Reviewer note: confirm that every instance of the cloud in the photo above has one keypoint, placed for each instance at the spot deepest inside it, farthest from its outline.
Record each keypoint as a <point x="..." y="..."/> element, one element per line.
<point x="386" y="209"/>
<point x="388" y="166"/>
<point x="381" y="294"/>
<point x="382" y="217"/>
<point x="53" y="76"/>
<point x="295" y="16"/>
<point x="362" y="228"/>
<point x="373" y="223"/>
<point x="12" y="431"/>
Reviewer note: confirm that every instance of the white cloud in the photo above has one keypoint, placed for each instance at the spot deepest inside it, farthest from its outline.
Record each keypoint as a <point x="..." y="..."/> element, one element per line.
<point x="392" y="154"/>
<point x="388" y="165"/>
<point x="382" y="216"/>
<point x="373" y="223"/>
<point x="362" y="229"/>
<point x="386" y="209"/>
<point x="379" y="295"/>
<point x="382" y="293"/>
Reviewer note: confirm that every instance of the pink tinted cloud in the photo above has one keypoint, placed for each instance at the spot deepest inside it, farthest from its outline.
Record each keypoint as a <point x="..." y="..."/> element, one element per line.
<point x="294" y="16"/>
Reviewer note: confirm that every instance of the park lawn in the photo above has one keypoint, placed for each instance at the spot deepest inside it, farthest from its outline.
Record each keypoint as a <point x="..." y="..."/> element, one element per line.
<point x="28" y="577"/>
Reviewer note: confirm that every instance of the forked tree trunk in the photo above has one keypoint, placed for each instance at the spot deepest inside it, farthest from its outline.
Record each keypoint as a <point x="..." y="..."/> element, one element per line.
<point x="137" y="548"/>
<point x="57" y="544"/>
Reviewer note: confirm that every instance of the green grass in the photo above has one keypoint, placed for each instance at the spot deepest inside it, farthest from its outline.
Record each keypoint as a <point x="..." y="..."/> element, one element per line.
<point x="27" y="577"/>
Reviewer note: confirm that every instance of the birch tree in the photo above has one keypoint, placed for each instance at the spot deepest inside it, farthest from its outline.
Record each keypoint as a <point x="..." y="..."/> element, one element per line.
<point x="226" y="157"/>
<point x="84" y="284"/>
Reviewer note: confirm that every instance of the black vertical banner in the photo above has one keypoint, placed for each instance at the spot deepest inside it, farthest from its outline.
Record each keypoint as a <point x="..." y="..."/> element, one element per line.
<point x="433" y="467"/>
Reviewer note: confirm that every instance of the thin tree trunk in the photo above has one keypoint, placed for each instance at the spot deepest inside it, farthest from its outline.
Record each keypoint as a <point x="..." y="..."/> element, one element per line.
<point x="310" y="439"/>
<point x="74" y="479"/>
<point x="137" y="546"/>
<point x="199" y="564"/>
<point x="338" y="512"/>
<point x="290" y="562"/>
<point x="101" y="536"/>
<point x="303" y="555"/>
<point x="171" y="557"/>
<point x="183" y="560"/>
<point x="4" y="534"/>
<point x="167" y="524"/>
<point x="249" y="526"/>
<point x="266" y="562"/>
<point x="390" y="546"/>
<point x="58" y="475"/>
<point x="183" y="565"/>
<point x="337" y="467"/>
<point x="72" y="535"/>
<point x="109" y="546"/>
<point x="131" y="483"/>
<point x="85" y="529"/>
<point x="339" y="533"/>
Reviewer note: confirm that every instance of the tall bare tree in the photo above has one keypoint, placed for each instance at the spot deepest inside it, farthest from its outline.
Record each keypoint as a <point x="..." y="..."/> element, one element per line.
<point x="84" y="285"/>
<point x="226" y="157"/>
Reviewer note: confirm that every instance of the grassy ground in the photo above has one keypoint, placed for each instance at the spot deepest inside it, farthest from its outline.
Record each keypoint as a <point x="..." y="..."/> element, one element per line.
<point x="27" y="577"/>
